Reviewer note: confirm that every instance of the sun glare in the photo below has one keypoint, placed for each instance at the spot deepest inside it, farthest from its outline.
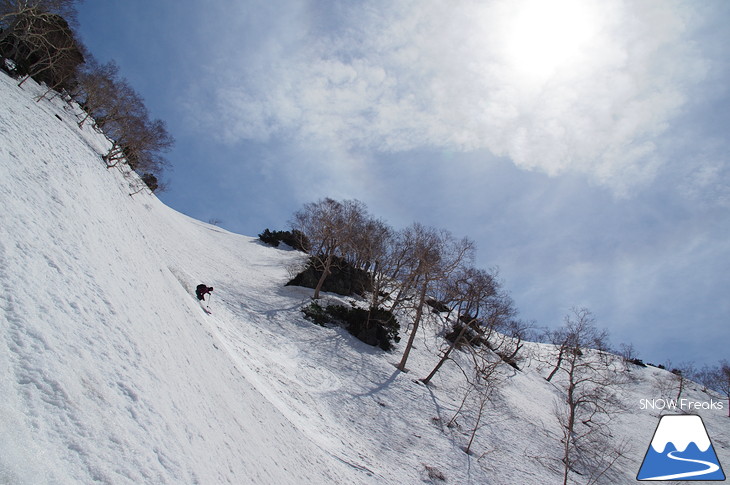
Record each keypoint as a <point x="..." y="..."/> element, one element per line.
<point x="547" y="36"/>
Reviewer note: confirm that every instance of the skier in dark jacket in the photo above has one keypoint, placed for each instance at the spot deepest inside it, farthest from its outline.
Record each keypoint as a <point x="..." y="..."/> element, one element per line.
<point x="202" y="290"/>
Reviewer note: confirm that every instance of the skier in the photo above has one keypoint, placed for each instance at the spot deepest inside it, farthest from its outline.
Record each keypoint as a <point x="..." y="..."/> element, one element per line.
<point x="202" y="290"/>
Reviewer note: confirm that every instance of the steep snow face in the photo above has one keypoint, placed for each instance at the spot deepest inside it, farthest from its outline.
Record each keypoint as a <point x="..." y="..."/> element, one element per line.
<point x="681" y="431"/>
<point x="111" y="372"/>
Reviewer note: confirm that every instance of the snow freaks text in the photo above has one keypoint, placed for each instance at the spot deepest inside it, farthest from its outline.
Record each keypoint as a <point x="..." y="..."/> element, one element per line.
<point x="680" y="404"/>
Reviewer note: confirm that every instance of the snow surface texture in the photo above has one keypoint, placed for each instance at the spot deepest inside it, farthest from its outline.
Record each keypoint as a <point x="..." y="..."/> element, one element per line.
<point x="111" y="372"/>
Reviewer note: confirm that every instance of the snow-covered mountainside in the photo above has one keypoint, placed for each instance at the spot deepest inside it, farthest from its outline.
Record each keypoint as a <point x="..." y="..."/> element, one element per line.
<point x="111" y="372"/>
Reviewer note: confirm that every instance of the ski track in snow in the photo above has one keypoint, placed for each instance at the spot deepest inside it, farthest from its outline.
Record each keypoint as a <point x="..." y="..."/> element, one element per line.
<point x="111" y="372"/>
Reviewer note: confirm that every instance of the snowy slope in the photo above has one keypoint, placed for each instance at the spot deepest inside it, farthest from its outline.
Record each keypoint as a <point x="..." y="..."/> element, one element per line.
<point x="111" y="372"/>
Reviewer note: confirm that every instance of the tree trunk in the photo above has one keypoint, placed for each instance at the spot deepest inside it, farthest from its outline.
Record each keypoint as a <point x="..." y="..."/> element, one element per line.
<point x="81" y="123"/>
<point x="325" y="273"/>
<point x="375" y="288"/>
<point x="419" y="311"/>
<point x="476" y="425"/>
<point x="20" y="84"/>
<point x="518" y="346"/>
<point x="571" y="418"/>
<point x="397" y="300"/>
<point x="557" y="365"/>
<point x="681" y="386"/>
<point x="115" y="154"/>
<point x="445" y="357"/>
<point x="568" y="436"/>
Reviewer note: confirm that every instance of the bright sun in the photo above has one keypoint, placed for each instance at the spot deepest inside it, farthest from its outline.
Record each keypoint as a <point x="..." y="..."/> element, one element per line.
<point x="547" y="36"/>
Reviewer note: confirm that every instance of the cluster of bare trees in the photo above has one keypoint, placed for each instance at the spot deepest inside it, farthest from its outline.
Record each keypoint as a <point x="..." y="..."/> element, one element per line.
<point x="409" y="270"/>
<point x="334" y="229"/>
<point x="37" y="36"/>
<point x="679" y="377"/>
<point x="121" y="113"/>
<point x="717" y="378"/>
<point x="421" y="269"/>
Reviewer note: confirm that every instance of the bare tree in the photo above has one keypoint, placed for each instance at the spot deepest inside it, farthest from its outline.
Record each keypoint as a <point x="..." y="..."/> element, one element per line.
<point x="470" y="292"/>
<point x="11" y="9"/>
<point x="723" y="381"/>
<point x="590" y="377"/>
<point x="511" y="339"/>
<point x="559" y="338"/>
<point x="41" y="43"/>
<point x="145" y="153"/>
<point x="577" y="331"/>
<point x="98" y="85"/>
<point x="435" y="255"/>
<point x="485" y="383"/>
<point x="718" y="378"/>
<point x="627" y="352"/>
<point x="373" y="248"/>
<point x="39" y="36"/>
<point x="15" y="12"/>
<point x="399" y="269"/>
<point x="136" y="139"/>
<point x="331" y="226"/>
<point x="127" y="115"/>
<point x="682" y="376"/>
<point x="675" y="380"/>
<point x="113" y="100"/>
<point x="482" y="377"/>
<point x="381" y="251"/>
<point x="368" y="244"/>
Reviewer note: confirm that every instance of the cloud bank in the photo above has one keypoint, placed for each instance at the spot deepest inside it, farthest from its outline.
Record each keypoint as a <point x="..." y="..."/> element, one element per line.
<point x="587" y="87"/>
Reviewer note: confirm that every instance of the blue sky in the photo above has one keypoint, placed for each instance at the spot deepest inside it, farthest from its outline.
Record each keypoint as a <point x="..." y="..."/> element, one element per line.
<point x="582" y="144"/>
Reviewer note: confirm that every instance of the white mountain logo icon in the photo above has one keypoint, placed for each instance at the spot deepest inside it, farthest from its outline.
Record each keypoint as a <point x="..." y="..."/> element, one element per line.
<point x="681" y="450"/>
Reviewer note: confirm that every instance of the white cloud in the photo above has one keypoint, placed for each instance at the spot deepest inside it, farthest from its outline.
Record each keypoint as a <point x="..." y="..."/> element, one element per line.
<point x="397" y="76"/>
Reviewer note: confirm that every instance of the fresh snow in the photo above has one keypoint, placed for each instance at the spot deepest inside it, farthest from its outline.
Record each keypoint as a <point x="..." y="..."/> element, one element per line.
<point x="111" y="372"/>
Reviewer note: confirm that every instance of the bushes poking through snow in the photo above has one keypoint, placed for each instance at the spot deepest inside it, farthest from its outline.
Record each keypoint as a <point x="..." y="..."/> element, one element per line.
<point x="343" y="279"/>
<point x="376" y="327"/>
<point x="294" y="239"/>
<point x="316" y="313"/>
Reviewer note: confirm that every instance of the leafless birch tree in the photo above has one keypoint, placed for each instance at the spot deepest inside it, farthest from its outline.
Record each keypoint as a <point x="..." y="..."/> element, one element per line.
<point x="469" y="292"/>
<point x="435" y="255"/>
<point x="40" y="42"/>
<point x="590" y="378"/>
<point x="719" y="380"/>
<point x="331" y="227"/>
